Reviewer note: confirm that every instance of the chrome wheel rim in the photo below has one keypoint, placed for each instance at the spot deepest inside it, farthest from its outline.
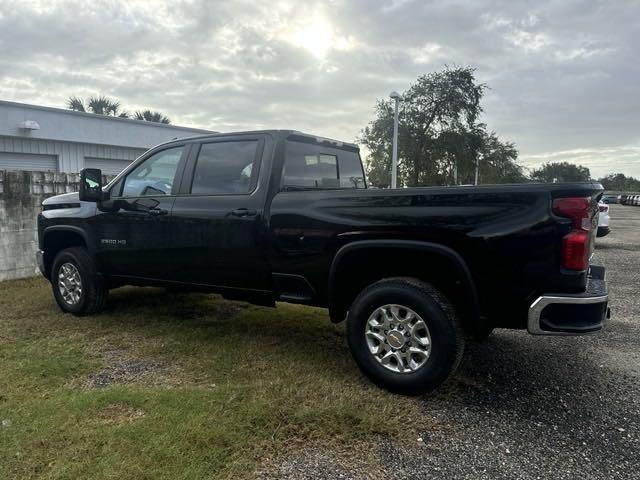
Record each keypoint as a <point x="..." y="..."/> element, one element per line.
<point x="398" y="338"/>
<point x="69" y="283"/>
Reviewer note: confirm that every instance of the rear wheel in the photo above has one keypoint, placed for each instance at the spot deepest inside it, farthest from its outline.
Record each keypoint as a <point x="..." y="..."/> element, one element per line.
<point x="404" y="335"/>
<point x="75" y="284"/>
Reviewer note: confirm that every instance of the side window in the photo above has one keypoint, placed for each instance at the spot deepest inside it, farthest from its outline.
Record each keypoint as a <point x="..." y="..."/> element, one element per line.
<point x="315" y="166"/>
<point x="351" y="173"/>
<point x="224" y="168"/>
<point x="154" y="176"/>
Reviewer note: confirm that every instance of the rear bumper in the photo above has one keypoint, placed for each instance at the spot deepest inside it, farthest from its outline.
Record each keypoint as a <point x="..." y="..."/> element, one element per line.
<point x="603" y="231"/>
<point x="572" y="314"/>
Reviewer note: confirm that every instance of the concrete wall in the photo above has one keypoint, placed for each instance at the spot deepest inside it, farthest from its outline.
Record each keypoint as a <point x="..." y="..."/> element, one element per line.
<point x="21" y="194"/>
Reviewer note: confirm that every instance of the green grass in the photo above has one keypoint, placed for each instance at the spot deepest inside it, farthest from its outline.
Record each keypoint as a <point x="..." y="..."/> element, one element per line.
<point x="239" y="385"/>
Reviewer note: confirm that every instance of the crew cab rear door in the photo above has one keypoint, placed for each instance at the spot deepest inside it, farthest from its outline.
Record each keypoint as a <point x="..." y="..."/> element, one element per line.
<point x="219" y="214"/>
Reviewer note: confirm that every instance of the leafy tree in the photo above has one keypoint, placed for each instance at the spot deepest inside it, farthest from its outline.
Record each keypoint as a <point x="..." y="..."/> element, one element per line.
<point x="100" y="105"/>
<point x="498" y="162"/>
<point x="561" y="172"/>
<point x="620" y="182"/>
<point x="150" y="116"/>
<point x="440" y="139"/>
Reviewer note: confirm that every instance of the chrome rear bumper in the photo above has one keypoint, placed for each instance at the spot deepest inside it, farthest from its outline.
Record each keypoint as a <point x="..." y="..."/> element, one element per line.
<point x="572" y="314"/>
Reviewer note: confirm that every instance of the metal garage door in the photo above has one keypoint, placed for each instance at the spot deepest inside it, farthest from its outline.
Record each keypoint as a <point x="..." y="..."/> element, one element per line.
<point x="108" y="166"/>
<point x="28" y="161"/>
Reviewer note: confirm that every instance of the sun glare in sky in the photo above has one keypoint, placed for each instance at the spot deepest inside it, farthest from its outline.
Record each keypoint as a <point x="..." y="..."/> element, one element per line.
<point x="315" y="37"/>
<point x="319" y="38"/>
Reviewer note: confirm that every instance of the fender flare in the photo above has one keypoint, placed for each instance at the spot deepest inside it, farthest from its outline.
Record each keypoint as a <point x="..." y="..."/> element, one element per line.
<point x="472" y="308"/>
<point x="67" y="228"/>
<point x="62" y="228"/>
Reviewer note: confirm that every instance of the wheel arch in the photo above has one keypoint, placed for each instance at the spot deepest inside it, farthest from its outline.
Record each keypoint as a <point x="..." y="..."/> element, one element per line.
<point x="58" y="237"/>
<point x="345" y="281"/>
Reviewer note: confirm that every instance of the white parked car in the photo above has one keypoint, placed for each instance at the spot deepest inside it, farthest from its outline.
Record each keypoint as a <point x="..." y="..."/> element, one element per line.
<point x="603" y="220"/>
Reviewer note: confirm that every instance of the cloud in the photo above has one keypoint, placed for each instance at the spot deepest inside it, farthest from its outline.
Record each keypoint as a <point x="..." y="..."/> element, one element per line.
<point x="600" y="161"/>
<point x="563" y="75"/>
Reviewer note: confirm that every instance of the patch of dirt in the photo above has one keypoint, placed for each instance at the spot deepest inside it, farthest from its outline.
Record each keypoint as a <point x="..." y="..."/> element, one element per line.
<point x="319" y="463"/>
<point x="118" y="414"/>
<point x="227" y="309"/>
<point x="123" y="368"/>
<point x="223" y="310"/>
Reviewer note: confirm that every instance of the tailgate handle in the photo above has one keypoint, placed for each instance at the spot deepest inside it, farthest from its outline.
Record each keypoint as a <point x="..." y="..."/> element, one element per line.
<point x="243" y="212"/>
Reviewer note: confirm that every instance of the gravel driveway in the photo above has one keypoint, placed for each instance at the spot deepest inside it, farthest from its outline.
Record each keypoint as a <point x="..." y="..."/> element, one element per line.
<point x="524" y="407"/>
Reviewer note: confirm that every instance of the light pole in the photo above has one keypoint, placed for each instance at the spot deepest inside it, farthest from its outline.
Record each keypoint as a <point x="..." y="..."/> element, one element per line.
<point x="394" y="155"/>
<point x="477" y="167"/>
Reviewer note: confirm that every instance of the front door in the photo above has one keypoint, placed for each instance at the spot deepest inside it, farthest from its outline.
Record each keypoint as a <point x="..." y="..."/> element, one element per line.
<point x="135" y="229"/>
<point x="219" y="216"/>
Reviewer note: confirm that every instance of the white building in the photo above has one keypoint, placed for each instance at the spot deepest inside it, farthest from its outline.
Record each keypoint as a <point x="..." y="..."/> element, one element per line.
<point x="41" y="138"/>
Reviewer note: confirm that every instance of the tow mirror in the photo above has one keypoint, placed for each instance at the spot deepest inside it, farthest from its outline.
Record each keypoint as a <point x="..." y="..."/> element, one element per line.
<point x="91" y="185"/>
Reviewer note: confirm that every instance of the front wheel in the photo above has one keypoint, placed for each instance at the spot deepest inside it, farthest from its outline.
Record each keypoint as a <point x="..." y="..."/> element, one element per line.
<point x="75" y="284"/>
<point x="404" y="335"/>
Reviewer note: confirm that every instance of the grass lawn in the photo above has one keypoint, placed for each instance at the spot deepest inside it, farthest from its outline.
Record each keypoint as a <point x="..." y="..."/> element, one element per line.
<point x="178" y="386"/>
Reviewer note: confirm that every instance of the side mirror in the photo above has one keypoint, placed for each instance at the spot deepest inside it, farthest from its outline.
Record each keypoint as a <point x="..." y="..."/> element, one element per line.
<point x="91" y="185"/>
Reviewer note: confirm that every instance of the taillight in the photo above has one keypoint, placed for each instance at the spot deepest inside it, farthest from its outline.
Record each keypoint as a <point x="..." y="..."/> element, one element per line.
<point x="576" y="245"/>
<point x="603" y="208"/>
<point x="575" y="250"/>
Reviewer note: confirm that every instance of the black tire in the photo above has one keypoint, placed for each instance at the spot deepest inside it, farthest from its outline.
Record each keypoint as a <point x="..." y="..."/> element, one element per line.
<point x="93" y="295"/>
<point x="447" y="337"/>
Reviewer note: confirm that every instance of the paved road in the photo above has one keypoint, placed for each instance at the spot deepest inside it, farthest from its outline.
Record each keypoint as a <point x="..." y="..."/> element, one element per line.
<point x="541" y="407"/>
<point x="524" y="407"/>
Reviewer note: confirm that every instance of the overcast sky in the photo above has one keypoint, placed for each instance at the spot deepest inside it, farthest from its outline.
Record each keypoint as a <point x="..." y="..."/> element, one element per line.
<point x="564" y="75"/>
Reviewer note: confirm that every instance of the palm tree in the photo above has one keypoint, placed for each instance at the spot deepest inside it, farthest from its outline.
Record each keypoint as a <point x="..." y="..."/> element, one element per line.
<point x="104" y="106"/>
<point x="75" y="103"/>
<point x="151" y="116"/>
<point x="100" y="105"/>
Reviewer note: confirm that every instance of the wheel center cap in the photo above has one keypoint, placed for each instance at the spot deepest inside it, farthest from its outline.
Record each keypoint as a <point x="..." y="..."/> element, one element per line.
<point x="395" y="339"/>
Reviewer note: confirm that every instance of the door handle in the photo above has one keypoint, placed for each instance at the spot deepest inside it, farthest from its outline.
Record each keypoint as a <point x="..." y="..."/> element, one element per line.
<point x="243" y="212"/>
<point x="157" y="211"/>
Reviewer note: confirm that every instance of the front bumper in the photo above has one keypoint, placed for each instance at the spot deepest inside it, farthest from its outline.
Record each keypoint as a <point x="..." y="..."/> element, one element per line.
<point x="40" y="262"/>
<point x="572" y="314"/>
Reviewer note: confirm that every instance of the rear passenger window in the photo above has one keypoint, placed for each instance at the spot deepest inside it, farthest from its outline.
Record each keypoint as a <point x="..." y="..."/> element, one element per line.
<point x="351" y="174"/>
<point x="224" y="168"/>
<point x="315" y="166"/>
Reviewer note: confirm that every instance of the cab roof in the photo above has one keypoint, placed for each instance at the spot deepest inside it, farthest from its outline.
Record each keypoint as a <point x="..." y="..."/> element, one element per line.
<point x="287" y="134"/>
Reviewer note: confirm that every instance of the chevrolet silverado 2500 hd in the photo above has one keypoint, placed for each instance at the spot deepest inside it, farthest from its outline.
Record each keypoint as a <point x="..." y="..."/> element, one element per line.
<point x="283" y="216"/>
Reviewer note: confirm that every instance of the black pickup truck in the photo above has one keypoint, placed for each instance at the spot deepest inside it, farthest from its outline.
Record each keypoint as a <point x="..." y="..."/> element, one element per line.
<point x="284" y="216"/>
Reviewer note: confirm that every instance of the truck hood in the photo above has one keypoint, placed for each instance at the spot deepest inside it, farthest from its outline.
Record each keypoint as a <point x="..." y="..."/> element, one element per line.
<point x="66" y="200"/>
